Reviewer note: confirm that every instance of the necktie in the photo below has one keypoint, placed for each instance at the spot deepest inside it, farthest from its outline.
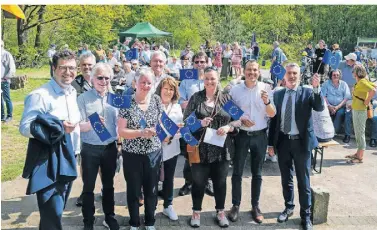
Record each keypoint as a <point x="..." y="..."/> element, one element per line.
<point x="288" y="113"/>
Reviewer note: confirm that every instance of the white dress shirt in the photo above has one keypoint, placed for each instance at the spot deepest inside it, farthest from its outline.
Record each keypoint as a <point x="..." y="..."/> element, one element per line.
<point x="174" y="112"/>
<point x="251" y="103"/>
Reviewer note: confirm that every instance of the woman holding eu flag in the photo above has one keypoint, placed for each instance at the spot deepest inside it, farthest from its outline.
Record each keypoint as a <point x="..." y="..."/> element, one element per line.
<point x="214" y="160"/>
<point x="169" y="93"/>
<point x="141" y="149"/>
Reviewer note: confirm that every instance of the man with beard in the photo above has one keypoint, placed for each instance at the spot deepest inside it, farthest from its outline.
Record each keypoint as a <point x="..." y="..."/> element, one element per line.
<point x="255" y="99"/>
<point x="186" y="89"/>
<point x="292" y="136"/>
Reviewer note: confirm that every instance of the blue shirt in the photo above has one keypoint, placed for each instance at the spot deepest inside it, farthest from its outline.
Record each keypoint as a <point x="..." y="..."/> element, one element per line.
<point x="188" y="87"/>
<point x="53" y="99"/>
<point x="91" y="102"/>
<point x="335" y="95"/>
<point x="339" y="54"/>
<point x="294" y="129"/>
<point x="347" y="75"/>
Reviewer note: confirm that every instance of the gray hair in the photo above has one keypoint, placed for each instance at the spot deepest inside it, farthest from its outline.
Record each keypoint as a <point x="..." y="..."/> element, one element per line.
<point x="158" y="53"/>
<point x="292" y="65"/>
<point x="144" y="72"/>
<point x="276" y="44"/>
<point x="86" y="56"/>
<point x="102" y="66"/>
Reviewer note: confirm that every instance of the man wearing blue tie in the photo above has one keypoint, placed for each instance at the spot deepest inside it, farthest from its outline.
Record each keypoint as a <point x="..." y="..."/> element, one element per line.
<point x="292" y="136"/>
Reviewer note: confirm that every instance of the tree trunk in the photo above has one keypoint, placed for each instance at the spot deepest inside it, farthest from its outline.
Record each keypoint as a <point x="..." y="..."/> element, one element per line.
<point x="21" y="34"/>
<point x="41" y="12"/>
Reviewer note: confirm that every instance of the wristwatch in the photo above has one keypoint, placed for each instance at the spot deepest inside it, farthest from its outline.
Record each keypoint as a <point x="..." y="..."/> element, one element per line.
<point x="269" y="102"/>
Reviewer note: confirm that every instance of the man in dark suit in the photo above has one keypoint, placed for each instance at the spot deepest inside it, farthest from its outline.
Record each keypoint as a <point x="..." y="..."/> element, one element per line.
<point x="291" y="135"/>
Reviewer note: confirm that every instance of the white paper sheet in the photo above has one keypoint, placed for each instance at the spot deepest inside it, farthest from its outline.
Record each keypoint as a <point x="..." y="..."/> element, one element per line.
<point x="212" y="138"/>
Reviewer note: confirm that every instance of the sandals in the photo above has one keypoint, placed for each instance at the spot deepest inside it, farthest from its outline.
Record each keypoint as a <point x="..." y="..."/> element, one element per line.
<point x="355" y="161"/>
<point x="351" y="156"/>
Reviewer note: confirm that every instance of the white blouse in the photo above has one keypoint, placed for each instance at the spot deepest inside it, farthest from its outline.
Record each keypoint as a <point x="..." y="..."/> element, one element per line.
<point x="174" y="111"/>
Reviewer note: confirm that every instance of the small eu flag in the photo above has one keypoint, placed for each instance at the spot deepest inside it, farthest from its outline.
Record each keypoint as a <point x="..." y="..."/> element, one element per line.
<point x="169" y="125"/>
<point x="193" y="123"/>
<point x="326" y="58"/>
<point x="98" y="127"/>
<point x="142" y="123"/>
<point x="278" y="70"/>
<point x="132" y="54"/>
<point x="188" y="137"/>
<point x="119" y="101"/>
<point x="160" y="133"/>
<point x="233" y="110"/>
<point x="334" y="61"/>
<point x="188" y="74"/>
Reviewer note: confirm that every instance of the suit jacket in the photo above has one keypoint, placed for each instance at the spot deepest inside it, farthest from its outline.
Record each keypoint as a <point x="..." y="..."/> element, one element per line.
<point x="306" y="101"/>
<point x="50" y="157"/>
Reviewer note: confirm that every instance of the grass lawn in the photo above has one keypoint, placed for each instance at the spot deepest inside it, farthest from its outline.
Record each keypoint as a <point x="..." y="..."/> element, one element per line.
<point x="13" y="144"/>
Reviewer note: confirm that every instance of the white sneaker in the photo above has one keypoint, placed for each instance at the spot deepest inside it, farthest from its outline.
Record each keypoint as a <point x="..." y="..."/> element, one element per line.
<point x="134" y="228"/>
<point x="169" y="212"/>
<point x="150" y="228"/>
<point x="274" y="158"/>
<point x="195" y="219"/>
<point x="266" y="157"/>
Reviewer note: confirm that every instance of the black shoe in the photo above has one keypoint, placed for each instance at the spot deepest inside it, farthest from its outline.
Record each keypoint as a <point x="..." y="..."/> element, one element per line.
<point x="233" y="213"/>
<point x="285" y="215"/>
<point x="111" y="223"/>
<point x="160" y="194"/>
<point x="88" y="226"/>
<point x="373" y="143"/>
<point x="257" y="215"/>
<point x="209" y="188"/>
<point x="79" y="201"/>
<point x="306" y="224"/>
<point x="346" y="139"/>
<point x="186" y="189"/>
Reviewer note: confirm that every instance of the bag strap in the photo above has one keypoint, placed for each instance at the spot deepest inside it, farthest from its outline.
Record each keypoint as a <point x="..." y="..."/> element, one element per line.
<point x="213" y="114"/>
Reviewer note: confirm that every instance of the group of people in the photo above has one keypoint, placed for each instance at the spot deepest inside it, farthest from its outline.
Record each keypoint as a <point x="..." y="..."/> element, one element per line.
<point x="276" y="121"/>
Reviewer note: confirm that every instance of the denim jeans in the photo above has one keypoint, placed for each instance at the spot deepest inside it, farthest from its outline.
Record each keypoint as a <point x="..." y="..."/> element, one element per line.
<point x="139" y="172"/>
<point x="348" y="122"/>
<point x="374" y="123"/>
<point x="218" y="171"/>
<point x="338" y="119"/>
<point x="94" y="157"/>
<point x="274" y="79"/>
<point x="257" y="146"/>
<point x="5" y="97"/>
<point x="168" y="184"/>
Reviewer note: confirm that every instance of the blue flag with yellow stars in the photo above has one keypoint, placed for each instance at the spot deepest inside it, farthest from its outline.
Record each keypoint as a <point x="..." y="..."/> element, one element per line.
<point x="132" y="54"/>
<point x="334" y="61"/>
<point x="278" y="70"/>
<point x="98" y="127"/>
<point x="185" y="74"/>
<point x="326" y="58"/>
<point x="188" y="137"/>
<point x="193" y="123"/>
<point x="233" y="110"/>
<point x="168" y="124"/>
<point x="143" y="123"/>
<point x="160" y="133"/>
<point x="119" y="101"/>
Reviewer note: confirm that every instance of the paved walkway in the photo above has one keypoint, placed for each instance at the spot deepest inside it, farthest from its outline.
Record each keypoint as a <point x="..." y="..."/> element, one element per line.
<point x="352" y="189"/>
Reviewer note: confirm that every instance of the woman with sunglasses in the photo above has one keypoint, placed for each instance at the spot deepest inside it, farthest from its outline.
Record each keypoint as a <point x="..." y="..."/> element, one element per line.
<point x="168" y="91"/>
<point x="97" y="154"/>
<point x="141" y="149"/>
<point x="214" y="160"/>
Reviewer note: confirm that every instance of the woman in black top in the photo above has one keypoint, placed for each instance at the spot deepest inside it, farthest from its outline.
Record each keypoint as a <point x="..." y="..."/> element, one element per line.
<point x="141" y="148"/>
<point x="319" y="52"/>
<point x="214" y="161"/>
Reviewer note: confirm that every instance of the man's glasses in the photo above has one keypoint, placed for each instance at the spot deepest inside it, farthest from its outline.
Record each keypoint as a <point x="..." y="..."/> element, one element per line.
<point x="201" y="62"/>
<point x="100" y="78"/>
<point x="65" y="68"/>
<point x="210" y="68"/>
<point x="134" y="63"/>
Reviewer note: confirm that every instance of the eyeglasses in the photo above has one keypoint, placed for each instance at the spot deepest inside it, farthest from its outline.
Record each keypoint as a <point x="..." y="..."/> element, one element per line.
<point x="201" y="62"/>
<point x="134" y="63"/>
<point x="210" y="68"/>
<point x="65" y="68"/>
<point x="100" y="78"/>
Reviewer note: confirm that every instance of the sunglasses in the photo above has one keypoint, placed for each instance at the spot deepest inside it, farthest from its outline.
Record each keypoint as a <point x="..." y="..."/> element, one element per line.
<point x="100" y="78"/>
<point x="134" y="63"/>
<point x="214" y="68"/>
<point x="201" y="62"/>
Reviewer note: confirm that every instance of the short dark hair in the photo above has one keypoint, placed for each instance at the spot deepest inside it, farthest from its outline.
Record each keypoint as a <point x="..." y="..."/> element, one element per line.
<point x="199" y="55"/>
<point x="335" y="70"/>
<point x="64" y="54"/>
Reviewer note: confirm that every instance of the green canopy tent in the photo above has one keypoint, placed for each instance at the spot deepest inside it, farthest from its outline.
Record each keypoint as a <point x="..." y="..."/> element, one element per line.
<point x="144" y="30"/>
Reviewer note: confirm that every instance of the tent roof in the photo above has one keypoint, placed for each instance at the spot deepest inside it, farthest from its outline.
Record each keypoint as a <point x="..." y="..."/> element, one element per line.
<point x="145" y="30"/>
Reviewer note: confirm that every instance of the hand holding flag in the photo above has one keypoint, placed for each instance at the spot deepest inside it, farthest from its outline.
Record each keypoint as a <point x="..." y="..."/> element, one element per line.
<point x="98" y="127"/>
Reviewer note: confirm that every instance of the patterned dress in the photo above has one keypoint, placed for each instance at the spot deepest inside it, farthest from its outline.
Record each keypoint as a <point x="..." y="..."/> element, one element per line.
<point x="236" y="58"/>
<point x="217" y="62"/>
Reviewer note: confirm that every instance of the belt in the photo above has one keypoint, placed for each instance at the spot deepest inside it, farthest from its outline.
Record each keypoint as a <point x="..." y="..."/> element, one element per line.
<point x="98" y="146"/>
<point x="290" y="137"/>
<point x="253" y="133"/>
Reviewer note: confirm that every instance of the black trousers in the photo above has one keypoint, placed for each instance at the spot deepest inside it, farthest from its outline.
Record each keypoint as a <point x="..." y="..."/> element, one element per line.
<point x="94" y="157"/>
<point x="218" y="171"/>
<point x="168" y="184"/>
<point x="291" y="152"/>
<point x="257" y="146"/>
<point x="142" y="171"/>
